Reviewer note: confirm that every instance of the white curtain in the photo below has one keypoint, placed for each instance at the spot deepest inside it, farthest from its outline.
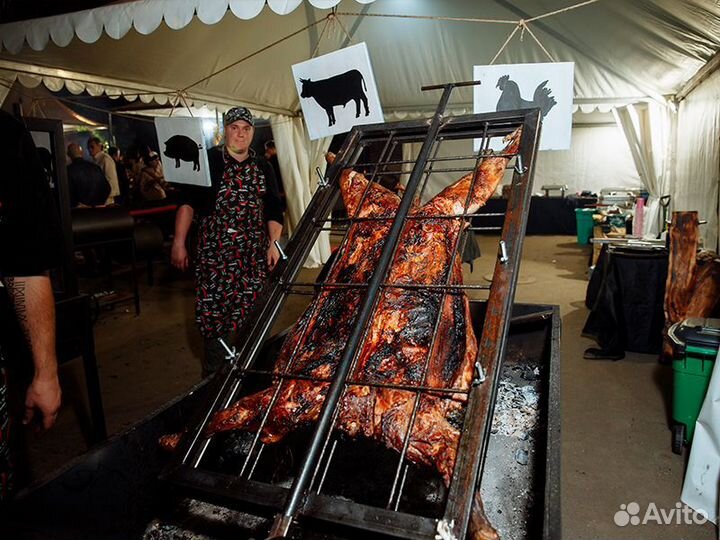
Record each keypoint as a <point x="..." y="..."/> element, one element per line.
<point x="648" y="129"/>
<point x="598" y="158"/>
<point x="298" y="157"/>
<point x="698" y="157"/>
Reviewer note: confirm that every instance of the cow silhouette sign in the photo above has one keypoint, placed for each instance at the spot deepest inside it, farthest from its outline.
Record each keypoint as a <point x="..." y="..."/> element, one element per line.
<point x="337" y="90"/>
<point x="182" y="147"/>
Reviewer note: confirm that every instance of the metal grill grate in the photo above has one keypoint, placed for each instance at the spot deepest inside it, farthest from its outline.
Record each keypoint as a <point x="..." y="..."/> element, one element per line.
<point x="320" y="482"/>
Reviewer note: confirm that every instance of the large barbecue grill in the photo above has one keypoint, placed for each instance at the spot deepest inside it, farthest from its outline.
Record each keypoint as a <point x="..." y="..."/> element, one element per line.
<point x="312" y="476"/>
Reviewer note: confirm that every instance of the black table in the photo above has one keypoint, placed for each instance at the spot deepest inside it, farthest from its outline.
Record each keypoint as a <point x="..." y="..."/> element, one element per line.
<point x="625" y="296"/>
<point x="547" y="215"/>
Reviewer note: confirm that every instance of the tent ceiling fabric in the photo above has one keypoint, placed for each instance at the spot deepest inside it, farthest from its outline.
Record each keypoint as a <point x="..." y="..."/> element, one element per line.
<point x="622" y="50"/>
<point x="143" y="15"/>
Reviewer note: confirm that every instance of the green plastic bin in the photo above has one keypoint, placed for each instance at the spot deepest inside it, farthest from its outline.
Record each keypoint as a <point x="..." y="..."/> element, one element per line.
<point x="696" y="346"/>
<point x="584" y="219"/>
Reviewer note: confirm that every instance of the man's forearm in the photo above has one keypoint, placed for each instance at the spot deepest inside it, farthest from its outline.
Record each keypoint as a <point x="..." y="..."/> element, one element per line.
<point x="274" y="230"/>
<point x="183" y="220"/>
<point x="34" y="306"/>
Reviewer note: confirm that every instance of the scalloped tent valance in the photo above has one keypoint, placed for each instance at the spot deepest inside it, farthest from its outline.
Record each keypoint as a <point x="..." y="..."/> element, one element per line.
<point x="213" y="59"/>
<point x="143" y="15"/>
<point x="148" y="94"/>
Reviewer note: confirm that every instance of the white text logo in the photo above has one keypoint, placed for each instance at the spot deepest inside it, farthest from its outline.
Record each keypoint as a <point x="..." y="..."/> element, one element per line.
<point x="630" y="514"/>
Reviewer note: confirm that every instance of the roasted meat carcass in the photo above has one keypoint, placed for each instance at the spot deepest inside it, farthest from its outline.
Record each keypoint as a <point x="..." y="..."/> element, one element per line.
<point x="398" y="349"/>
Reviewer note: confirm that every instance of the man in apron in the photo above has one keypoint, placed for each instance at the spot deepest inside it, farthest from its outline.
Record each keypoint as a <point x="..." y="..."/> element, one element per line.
<point x="238" y="220"/>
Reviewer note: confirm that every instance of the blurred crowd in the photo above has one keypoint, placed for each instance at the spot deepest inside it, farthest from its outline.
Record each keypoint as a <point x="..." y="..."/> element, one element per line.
<point x="111" y="177"/>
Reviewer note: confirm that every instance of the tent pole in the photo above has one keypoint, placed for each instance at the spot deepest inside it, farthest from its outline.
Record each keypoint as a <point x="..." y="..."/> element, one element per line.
<point x="707" y="69"/>
<point x="110" y="128"/>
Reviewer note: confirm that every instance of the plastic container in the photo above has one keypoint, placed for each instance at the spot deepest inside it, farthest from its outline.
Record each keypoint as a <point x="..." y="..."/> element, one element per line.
<point x="584" y="219"/>
<point x="696" y="346"/>
<point x="639" y="218"/>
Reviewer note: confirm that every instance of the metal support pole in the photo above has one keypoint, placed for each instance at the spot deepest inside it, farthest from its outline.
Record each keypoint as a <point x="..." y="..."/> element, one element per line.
<point x="110" y="130"/>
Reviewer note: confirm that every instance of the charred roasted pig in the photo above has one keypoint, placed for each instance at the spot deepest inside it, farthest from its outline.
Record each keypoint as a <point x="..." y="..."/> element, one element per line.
<point x="399" y="349"/>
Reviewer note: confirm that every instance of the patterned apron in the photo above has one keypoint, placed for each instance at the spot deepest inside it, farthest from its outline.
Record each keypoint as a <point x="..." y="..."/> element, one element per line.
<point x="232" y="251"/>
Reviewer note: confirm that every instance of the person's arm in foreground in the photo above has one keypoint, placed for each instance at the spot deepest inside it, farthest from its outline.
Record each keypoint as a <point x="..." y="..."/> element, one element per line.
<point x="34" y="306"/>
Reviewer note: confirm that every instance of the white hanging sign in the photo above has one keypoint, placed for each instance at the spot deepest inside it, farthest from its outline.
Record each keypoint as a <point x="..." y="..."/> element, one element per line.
<point x="549" y="86"/>
<point x="183" y="151"/>
<point x="338" y="91"/>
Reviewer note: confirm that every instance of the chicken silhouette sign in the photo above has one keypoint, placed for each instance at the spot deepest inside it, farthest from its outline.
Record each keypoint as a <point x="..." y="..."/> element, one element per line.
<point x="548" y="87"/>
<point x="337" y="91"/>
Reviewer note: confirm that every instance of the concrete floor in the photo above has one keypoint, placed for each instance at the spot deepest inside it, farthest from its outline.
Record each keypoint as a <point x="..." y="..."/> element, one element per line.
<point x="616" y="442"/>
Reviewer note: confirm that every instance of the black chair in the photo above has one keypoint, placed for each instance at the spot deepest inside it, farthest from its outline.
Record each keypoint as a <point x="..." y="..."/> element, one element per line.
<point x="104" y="228"/>
<point x="148" y="244"/>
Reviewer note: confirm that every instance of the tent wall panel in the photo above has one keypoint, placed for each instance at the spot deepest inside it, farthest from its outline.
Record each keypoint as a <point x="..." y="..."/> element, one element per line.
<point x="698" y="157"/>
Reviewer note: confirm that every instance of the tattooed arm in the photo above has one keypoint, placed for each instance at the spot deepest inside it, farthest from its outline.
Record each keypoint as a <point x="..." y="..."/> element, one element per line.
<point x="35" y="310"/>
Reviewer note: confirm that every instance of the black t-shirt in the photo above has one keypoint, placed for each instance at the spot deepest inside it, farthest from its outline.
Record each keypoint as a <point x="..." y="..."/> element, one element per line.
<point x="202" y="199"/>
<point x="87" y="183"/>
<point x="30" y="236"/>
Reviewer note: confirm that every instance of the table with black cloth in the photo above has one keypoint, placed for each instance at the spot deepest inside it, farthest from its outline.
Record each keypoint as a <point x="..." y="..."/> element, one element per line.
<point x="547" y="215"/>
<point x="625" y="297"/>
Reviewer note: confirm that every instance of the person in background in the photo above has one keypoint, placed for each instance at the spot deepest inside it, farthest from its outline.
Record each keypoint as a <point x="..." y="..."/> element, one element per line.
<point x="86" y="181"/>
<point x="272" y="159"/>
<point x="30" y="246"/>
<point x="239" y="219"/>
<point x="122" y="176"/>
<point x="133" y="166"/>
<point x="106" y="163"/>
<point x="151" y="184"/>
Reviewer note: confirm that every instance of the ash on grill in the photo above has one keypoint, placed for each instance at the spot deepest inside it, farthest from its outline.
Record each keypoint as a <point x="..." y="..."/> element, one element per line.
<point x="199" y="520"/>
<point x="516" y="409"/>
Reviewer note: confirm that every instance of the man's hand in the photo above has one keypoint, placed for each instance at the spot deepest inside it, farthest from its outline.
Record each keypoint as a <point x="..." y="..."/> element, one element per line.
<point x="273" y="256"/>
<point x="43" y="394"/>
<point x="179" y="256"/>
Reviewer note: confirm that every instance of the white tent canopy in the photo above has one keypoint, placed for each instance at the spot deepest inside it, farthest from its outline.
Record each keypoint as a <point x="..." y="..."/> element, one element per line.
<point x="223" y="52"/>
<point x="625" y="50"/>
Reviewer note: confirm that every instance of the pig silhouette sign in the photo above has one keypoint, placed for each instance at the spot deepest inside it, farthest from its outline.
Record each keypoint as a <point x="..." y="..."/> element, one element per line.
<point x="183" y="148"/>
<point x="184" y="156"/>
<point x="338" y="91"/>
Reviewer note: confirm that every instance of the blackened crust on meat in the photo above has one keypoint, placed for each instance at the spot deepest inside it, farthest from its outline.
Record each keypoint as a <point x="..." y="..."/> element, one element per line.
<point x="455" y="339"/>
<point x="397" y="345"/>
<point x="421" y="319"/>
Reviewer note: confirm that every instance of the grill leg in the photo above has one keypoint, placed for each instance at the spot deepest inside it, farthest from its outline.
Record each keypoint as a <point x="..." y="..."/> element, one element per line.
<point x="134" y="277"/>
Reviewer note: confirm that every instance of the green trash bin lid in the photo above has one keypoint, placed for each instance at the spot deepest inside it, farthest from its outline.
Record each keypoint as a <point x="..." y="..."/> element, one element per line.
<point x="696" y="332"/>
